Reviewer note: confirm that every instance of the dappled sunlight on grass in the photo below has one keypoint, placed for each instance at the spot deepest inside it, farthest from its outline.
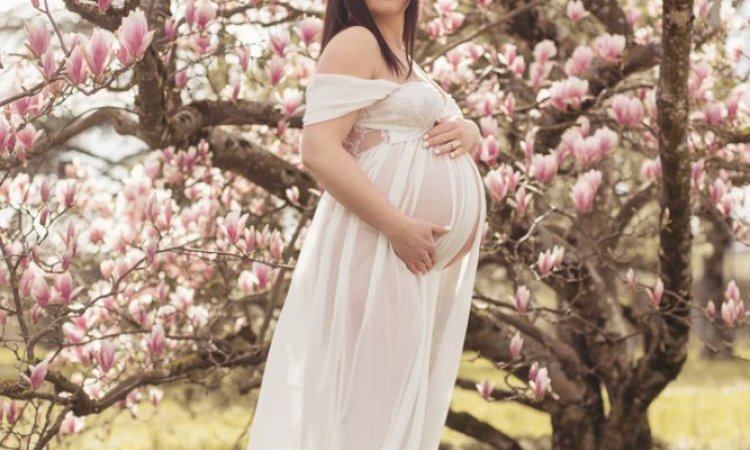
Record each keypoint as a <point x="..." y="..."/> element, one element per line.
<point x="706" y="408"/>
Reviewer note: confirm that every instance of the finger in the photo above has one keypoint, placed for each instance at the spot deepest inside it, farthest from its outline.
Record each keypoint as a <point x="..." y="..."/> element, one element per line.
<point x="433" y="256"/>
<point x="440" y="134"/>
<point x="421" y="267"/>
<point x="457" y="151"/>
<point x="445" y="137"/>
<point x="441" y="229"/>
<point x="445" y="147"/>
<point x="448" y="147"/>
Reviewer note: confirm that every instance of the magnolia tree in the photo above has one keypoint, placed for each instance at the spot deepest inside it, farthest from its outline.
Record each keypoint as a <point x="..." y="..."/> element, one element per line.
<point x="614" y="137"/>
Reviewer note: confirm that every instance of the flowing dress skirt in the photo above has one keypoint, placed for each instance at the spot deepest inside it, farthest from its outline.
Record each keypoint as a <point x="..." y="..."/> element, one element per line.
<point x="365" y="353"/>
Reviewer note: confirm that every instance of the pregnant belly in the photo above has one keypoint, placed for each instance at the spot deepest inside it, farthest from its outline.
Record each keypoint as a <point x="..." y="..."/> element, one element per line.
<point x="438" y="188"/>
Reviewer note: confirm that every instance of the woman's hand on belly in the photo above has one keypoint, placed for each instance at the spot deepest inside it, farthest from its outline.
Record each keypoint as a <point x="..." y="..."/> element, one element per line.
<point x="414" y="242"/>
<point x="452" y="135"/>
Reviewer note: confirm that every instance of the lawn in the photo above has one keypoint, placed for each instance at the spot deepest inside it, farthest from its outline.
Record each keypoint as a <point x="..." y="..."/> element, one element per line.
<point x="708" y="407"/>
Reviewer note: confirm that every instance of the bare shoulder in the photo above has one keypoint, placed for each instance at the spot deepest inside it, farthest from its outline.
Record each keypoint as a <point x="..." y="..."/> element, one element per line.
<point x="352" y="51"/>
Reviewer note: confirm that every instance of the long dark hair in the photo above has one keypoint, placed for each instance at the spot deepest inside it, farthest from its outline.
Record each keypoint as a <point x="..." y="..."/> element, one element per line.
<point x="341" y="14"/>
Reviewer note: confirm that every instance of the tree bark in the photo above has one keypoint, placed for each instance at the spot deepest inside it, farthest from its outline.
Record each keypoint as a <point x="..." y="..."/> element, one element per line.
<point x="666" y="347"/>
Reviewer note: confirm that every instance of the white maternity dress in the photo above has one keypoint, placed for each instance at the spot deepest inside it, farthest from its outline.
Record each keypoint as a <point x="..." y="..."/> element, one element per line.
<point x="365" y="353"/>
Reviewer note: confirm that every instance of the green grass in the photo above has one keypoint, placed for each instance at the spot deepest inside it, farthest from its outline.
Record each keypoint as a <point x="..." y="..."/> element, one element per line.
<point x="708" y="407"/>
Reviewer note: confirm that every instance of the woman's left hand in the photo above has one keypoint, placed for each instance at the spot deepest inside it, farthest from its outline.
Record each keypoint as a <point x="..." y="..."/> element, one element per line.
<point x="452" y="135"/>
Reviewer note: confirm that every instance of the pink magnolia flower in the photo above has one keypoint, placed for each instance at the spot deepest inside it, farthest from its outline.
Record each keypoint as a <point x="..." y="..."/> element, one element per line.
<point x="631" y="278"/>
<point x="190" y="13"/>
<point x="434" y="28"/>
<point x="279" y="41"/>
<point x="489" y="150"/>
<point x="717" y="190"/>
<point x="262" y="237"/>
<point x="584" y="191"/>
<point x="37" y="36"/>
<point x="49" y="65"/>
<point x="651" y="168"/>
<point x="550" y="259"/>
<point x="134" y="36"/>
<point x="541" y="384"/>
<point x="7" y="133"/>
<point x="290" y="101"/>
<point x="711" y="310"/>
<point x="104" y="5"/>
<point x="497" y="184"/>
<point x="71" y="424"/>
<point x="516" y="345"/>
<point x="180" y="78"/>
<point x="729" y="312"/>
<point x="453" y="21"/>
<point x="276" y="69"/>
<point x="243" y="54"/>
<point x="609" y="47"/>
<point x="485" y="388"/>
<point x="64" y="286"/>
<point x="697" y="174"/>
<point x="568" y="93"/>
<point x="97" y="51"/>
<point x="626" y="110"/>
<point x="523" y="200"/>
<point x="521" y="299"/>
<point x="633" y="17"/>
<point x="233" y="225"/>
<point x="38" y="373"/>
<point x="247" y="281"/>
<point x="544" y="167"/>
<point x="27" y="137"/>
<point x="13" y="412"/>
<point x="713" y="113"/>
<point x="275" y="247"/>
<point x="292" y="194"/>
<point x="41" y="291"/>
<point x="538" y="73"/>
<point x="309" y="29"/>
<point x="544" y="51"/>
<point x="76" y="70"/>
<point x="262" y="273"/>
<point x="155" y="342"/>
<point x="249" y="239"/>
<point x="68" y="192"/>
<point x="732" y="292"/>
<point x="533" y="370"/>
<point x="509" y="104"/>
<point x="576" y="11"/>
<point x="579" y="61"/>
<point x="444" y="7"/>
<point x="170" y="29"/>
<point x="656" y="293"/>
<point x="605" y="140"/>
<point x="106" y="356"/>
<point x="518" y="67"/>
<point x="205" y="13"/>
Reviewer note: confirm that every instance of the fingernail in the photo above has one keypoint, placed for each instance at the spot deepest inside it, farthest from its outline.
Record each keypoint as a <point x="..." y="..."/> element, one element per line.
<point x="436" y="151"/>
<point x="451" y="155"/>
<point x="424" y="143"/>
<point x="447" y="227"/>
<point x="424" y="137"/>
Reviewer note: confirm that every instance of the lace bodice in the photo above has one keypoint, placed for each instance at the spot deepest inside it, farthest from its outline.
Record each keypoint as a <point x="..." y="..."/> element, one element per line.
<point x="389" y="112"/>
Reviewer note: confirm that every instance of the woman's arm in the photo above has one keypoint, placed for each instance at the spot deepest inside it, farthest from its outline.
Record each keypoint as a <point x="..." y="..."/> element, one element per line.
<point x="352" y="51"/>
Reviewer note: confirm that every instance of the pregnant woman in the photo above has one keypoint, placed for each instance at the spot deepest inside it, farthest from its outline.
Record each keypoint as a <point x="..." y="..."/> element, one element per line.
<point x="368" y="343"/>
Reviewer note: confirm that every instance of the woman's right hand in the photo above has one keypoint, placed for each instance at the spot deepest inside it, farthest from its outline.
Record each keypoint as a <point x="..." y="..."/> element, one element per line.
<point x="413" y="240"/>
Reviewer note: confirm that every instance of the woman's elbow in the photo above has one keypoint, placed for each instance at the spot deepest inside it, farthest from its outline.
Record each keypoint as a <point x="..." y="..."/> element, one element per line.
<point x="309" y="150"/>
